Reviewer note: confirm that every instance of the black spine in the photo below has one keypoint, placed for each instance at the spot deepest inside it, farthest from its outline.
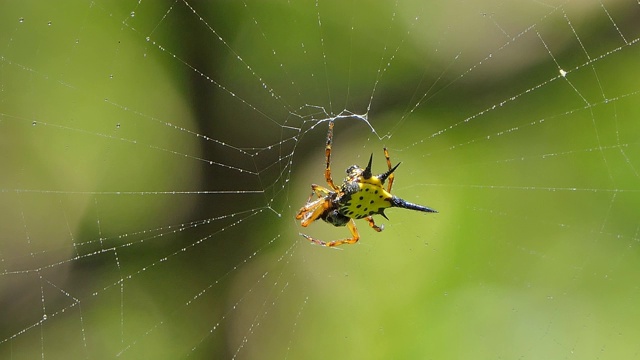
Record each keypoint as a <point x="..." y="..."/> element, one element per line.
<point x="397" y="202"/>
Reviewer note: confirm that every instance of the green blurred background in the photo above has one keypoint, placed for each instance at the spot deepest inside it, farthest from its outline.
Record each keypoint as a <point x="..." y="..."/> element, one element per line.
<point x="155" y="154"/>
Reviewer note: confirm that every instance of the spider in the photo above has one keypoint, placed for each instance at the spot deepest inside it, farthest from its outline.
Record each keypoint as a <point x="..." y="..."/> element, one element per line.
<point x="360" y="196"/>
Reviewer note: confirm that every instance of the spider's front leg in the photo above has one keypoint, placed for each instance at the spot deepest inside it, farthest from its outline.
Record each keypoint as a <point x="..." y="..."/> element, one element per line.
<point x="327" y="152"/>
<point x="351" y="225"/>
<point x="317" y="206"/>
<point x="319" y="191"/>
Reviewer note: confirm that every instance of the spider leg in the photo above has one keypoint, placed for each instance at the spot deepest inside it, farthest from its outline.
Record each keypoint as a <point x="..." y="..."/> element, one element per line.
<point x="320" y="192"/>
<point x="312" y="211"/>
<point x="327" y="151"/>
<point x="373" y="224"/>
<point x="391" y="176"/>
<point x="308" y="210"/>
<point x="352" y="240"/>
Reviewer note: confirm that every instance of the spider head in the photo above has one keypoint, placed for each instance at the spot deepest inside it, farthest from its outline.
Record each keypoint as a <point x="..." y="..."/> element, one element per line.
<point x="354" y="172"/>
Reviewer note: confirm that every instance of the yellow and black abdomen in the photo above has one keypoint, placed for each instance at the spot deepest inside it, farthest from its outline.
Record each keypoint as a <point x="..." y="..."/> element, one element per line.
<point x="367" y="200"/>
<point x="367" y="197"/>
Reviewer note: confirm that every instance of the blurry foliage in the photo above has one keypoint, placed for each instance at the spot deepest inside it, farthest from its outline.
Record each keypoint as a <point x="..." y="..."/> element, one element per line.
<point x="533" y="253"/>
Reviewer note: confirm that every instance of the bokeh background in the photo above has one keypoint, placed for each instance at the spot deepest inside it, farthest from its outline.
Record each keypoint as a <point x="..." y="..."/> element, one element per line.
<point x="154" y="155"/>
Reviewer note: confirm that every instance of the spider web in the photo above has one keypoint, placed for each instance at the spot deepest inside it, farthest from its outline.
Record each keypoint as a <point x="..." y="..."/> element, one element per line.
<point x="156" y="153"/>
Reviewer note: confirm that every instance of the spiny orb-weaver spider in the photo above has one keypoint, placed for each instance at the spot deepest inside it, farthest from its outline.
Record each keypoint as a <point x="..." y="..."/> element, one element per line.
<point x="360" y="196"/>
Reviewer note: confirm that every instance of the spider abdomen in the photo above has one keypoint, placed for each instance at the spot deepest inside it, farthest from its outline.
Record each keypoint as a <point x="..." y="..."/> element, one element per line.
<point x="367" y="200"/>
